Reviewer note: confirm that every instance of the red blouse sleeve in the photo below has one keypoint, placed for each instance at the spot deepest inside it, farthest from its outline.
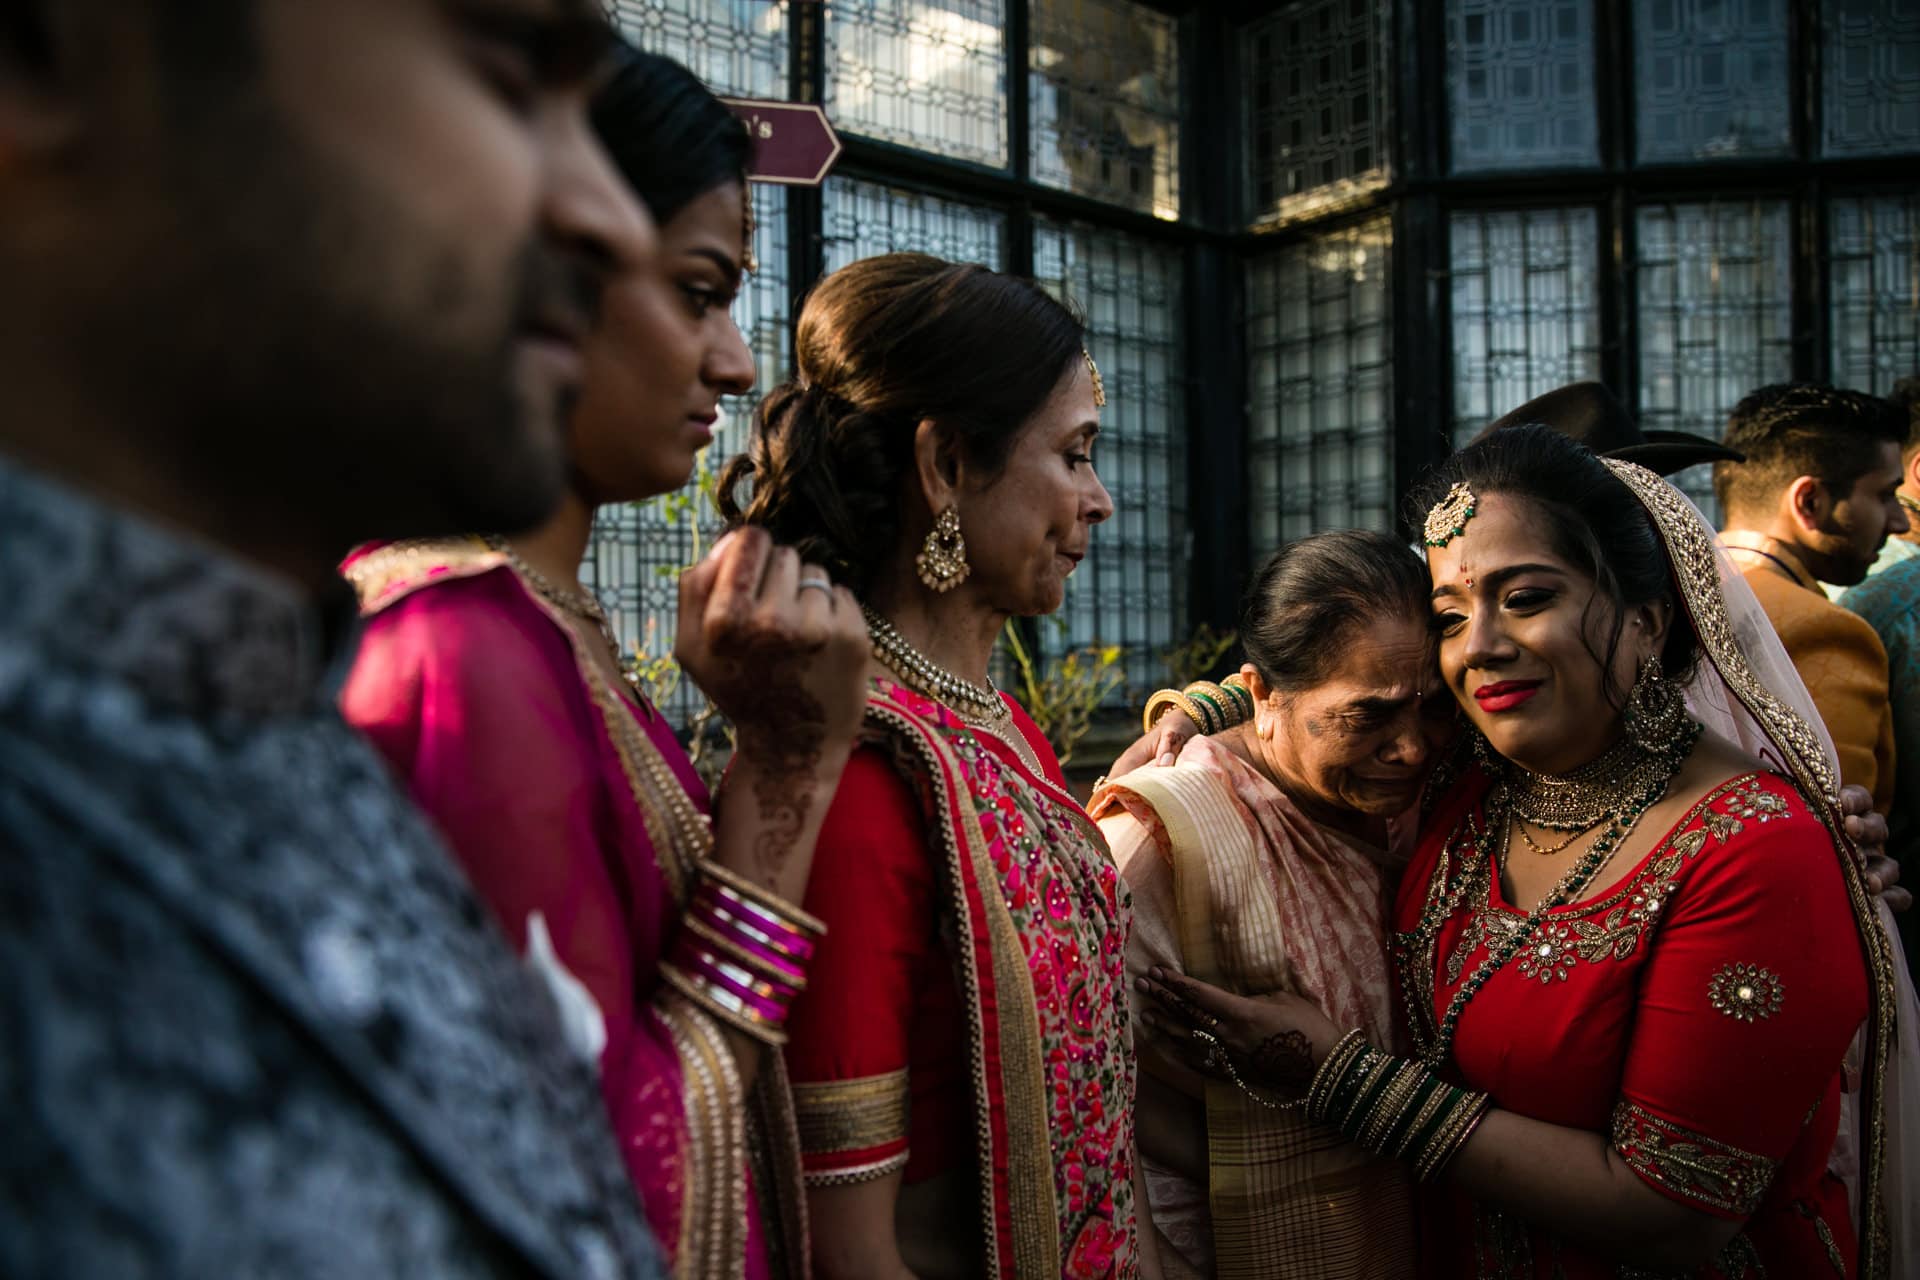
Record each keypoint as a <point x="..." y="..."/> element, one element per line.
<point x="873" y="885"/>
<point x="1754" y="987"/>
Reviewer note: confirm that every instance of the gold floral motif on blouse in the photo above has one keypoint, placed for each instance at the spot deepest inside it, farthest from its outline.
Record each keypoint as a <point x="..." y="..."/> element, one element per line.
<point x="1745" y="992"/>
<point x="1690" y="1164"/>
<point x="1614" y="927"/>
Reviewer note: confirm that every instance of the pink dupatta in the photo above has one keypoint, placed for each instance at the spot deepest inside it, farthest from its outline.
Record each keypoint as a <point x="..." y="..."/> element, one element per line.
<point x="557" y="793"/>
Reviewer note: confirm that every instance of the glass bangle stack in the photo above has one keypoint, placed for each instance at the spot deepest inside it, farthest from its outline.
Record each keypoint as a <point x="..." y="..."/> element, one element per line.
<point x="1212" y="707"/>
<point x="1393" y="1107"/>
<point x="742" y="954"/>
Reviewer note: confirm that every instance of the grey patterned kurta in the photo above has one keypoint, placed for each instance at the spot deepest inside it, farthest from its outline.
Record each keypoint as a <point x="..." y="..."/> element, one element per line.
<point x="252" y="1020"/>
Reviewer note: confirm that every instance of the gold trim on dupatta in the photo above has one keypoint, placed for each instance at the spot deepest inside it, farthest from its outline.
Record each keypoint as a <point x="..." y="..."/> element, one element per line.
<point x="1689" y="544"/>
<point x="1034" y="1214"/>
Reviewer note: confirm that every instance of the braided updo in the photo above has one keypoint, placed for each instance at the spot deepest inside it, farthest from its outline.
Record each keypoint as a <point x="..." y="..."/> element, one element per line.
<point x="882" y="345"/>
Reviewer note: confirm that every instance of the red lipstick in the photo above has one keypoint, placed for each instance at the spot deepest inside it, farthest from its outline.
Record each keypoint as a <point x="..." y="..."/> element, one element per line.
<point x="1506" y="695"/>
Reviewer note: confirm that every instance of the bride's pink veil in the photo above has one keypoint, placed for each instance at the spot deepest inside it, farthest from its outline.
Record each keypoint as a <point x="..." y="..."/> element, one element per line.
<point x="1746" y="689"/>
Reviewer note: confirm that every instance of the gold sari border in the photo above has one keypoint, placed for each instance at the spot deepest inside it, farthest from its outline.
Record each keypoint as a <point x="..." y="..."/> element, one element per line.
<point x="855" y="1174"/>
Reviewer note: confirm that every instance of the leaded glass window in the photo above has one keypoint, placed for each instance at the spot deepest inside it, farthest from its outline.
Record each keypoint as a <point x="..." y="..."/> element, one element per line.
<point x="639" y="548"/>
<point x="1526" y="311"/>
<point x="1317" y="113"/>
<point x="930" y="74"/>
<point x="1131" y="589"/>
<point x="1710" y="79"/>
<point x="1874" y="290"/>
<point x="1319" y="351"/>
<point x="866" y="218"/>
<point x="1714" y="289"/>
<point x="1520" y="80"/>
<point x="1871" y="76"/>
<point x="1106" y="102"/>
<point x="737" y="47"/>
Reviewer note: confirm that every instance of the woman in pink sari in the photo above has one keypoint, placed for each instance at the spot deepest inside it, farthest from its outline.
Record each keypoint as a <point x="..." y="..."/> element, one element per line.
<point x="489" y="677"/>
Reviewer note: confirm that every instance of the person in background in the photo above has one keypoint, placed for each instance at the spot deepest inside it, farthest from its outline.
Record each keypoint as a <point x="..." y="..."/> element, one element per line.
<point x="1900" y="547"/>
<point x="279" y="277"/>
<point x="1814" y="502"/>
<point x="963" y="1058"/>
<point x="491" y="680"/>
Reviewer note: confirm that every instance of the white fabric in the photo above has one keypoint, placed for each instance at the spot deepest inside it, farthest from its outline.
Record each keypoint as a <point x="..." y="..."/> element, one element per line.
<point x="1715" y="705"/>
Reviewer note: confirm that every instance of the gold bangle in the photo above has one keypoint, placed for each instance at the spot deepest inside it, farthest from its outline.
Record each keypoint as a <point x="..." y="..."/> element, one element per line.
<point x="788" y="913"/>
<point x="1164" y="698"/>
<point x="1236" y="686"/>
<point x="1435" y="1100"/>
<point x="1213" y="695"/>
<point x="1332" y="1067"/>
<point x="1451" y="1135"/>
<point x="1393" y="1099"/>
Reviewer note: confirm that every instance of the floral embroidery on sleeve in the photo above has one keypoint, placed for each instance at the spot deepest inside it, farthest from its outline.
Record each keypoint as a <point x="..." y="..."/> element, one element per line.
<point x="1745" y="992"/>
<point x="1689" y="1165"/>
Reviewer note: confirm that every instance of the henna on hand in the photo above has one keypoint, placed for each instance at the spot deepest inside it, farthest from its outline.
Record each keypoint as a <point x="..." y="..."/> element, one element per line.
<point x="1283" y="1062"/>
<point x="782" y="743"/>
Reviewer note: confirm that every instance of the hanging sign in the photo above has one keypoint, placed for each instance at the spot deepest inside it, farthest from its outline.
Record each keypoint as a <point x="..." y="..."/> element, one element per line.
<point x="792" y="141"/>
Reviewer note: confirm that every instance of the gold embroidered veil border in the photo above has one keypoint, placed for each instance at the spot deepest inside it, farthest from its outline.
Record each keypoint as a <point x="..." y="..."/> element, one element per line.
<point x="1803" y="753"/>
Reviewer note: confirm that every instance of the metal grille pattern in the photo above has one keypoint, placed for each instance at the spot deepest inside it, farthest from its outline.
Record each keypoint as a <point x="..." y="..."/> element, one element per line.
<point x="737" y="47"/>
<point x="929" y="74"/>
<point x="1526" y="311"/>
<point x="1317" y="116"/>
<point x="866" y="218"/>
<point x="1715" y="314"/>
<point x="1105" y="78"/>
<point x="1520" y="81"/>
<point x="1131" y="590"/>
<point x="1319" y="351"/>
<point x="1710" y="78"/>
<point x="1871" y="76"/>
<point x="1874" y="265"/>
<point x="638" y="548"/>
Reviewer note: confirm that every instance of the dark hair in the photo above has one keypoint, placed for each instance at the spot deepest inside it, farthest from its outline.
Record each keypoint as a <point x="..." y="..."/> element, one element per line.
<point x="881" y="345"/>
<point x="1592" y="521"/>
<point x="1905" y="397"/>
<point x="671" y="139"/>
<point x="1794" y="429"/>
<point x="1308" y="597"/>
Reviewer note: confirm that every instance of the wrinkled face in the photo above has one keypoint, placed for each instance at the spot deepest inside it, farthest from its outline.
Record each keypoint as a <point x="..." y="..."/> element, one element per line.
<point x="1519" y="629"/>
<point x="1028" y="528"/>
<point x="358" y="277"/>
<point x="1849" y="539"/>
<point x="1364" y="739"/>
<point x="665" y="351"/>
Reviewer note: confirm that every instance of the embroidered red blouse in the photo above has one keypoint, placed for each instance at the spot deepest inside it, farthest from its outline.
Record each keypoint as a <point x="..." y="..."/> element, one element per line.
<point x="1697" y="1013"/>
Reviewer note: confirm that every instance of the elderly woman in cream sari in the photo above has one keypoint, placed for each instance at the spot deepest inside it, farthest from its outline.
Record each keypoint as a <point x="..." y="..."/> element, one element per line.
<point x="1264" y="860"/>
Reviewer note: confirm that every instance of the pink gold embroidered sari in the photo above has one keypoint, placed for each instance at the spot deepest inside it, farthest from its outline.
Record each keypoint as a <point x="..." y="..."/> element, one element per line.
<point x="576" y="814"/>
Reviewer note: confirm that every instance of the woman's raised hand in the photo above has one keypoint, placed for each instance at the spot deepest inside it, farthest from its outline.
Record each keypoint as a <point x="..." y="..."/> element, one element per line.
<point x="1275" y="1041"/>
<point x="1159" y="745"/>
<point x="783" y="654"/>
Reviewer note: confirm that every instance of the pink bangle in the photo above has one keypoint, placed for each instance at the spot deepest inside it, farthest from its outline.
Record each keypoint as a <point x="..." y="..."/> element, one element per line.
<point x="766" y="1003"/>
<point x="710" y="914"/>
<point x="780" y="933"/>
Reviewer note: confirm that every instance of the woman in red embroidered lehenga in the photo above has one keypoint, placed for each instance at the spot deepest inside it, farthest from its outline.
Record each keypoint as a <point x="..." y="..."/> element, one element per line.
<point x="1632" y="955"/>
<point x="962" y="1062"/>
<point x="489" y="678"/>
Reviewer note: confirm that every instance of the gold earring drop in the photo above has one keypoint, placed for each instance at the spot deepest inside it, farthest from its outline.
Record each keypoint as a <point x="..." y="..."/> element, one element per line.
<point x="943" y="560"/>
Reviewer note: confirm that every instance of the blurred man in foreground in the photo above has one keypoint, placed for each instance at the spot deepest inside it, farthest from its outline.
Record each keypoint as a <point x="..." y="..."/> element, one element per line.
<point x="280" y="275"/>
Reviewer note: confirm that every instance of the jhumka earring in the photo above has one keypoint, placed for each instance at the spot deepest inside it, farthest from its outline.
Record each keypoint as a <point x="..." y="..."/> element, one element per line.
<point x="1093" y="371"/>
<point x="1448" y="519"/>
<point x="943" y="560"/>
<point x="1656" y="713"/>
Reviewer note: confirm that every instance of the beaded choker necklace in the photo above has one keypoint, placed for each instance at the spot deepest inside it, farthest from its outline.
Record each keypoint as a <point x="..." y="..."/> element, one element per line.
<point x="917" y="671"/>
<point x="1579" y="800"/>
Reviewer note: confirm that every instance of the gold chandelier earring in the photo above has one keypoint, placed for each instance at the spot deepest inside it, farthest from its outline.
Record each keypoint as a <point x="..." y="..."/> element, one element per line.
<point x="943" y="560"/>
<point x="1656" y="713"/>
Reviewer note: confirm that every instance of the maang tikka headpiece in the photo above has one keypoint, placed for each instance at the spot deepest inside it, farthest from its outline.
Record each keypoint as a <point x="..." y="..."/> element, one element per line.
<point x="1093" y="371"/>
<point x="1448" y="519"/>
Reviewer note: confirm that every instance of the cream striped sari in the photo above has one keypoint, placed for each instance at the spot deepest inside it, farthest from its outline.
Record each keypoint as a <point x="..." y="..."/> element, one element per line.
<point x="1232" y="885"/>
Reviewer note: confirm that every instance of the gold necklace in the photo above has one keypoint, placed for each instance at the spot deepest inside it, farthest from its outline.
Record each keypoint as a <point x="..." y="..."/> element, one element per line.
<point x="576" y="601"/>
<point x="1581" y="800"/>
<point x="1543" y="851"/>
<point x="979" y="703"/>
